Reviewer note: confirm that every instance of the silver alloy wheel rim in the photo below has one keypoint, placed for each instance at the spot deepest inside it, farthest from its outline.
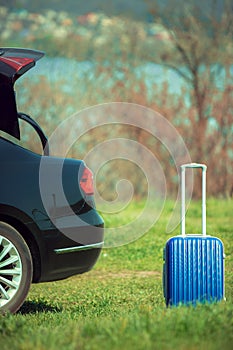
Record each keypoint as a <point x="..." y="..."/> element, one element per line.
<point x="10" y="271"/>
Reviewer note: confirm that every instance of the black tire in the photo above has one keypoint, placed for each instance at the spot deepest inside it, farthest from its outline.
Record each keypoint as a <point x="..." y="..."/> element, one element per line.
<point x="15" y="269"/>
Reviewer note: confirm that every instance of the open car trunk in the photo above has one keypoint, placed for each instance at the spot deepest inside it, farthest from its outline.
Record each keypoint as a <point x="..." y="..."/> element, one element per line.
<point x="14" y="62"/>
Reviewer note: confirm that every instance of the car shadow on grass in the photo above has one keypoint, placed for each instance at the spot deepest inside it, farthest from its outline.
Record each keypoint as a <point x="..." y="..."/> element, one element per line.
<point x="38" y="306"/>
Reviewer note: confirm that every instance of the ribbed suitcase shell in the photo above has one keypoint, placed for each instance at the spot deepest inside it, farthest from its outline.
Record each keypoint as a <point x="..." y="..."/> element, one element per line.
<point x="193" y="270"/>
<point x="193" y="264"/>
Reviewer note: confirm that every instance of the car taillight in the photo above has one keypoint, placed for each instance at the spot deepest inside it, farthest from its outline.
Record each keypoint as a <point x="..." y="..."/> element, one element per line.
<point x="86" y="182"/>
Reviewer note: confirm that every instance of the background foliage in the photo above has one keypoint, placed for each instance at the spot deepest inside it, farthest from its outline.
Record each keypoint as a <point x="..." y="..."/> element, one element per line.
<point x="122" y="50"/>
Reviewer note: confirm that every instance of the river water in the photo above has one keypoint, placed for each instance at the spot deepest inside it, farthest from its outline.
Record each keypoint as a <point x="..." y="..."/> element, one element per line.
<point x="71" y="72"/>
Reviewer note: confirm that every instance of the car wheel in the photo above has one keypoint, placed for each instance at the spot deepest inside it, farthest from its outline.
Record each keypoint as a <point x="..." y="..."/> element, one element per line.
<point x="15" y="269"/>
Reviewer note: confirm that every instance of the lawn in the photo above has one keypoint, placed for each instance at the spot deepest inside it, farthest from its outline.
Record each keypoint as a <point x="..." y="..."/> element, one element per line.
<point x="120" y="304"/>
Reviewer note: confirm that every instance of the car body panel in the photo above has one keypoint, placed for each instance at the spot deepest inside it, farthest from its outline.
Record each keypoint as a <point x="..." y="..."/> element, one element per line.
<point x="20" y="188"/>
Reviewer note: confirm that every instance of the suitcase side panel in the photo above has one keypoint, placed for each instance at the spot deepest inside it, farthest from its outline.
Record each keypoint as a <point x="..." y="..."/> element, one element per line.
<point x="193" y="270"/>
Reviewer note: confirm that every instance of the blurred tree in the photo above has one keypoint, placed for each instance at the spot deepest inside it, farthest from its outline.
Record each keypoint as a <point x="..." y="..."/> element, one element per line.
<point x="200" y="50"/>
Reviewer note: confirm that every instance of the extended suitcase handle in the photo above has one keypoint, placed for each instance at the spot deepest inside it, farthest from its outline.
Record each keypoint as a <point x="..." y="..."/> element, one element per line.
<point x="204" y="168"/>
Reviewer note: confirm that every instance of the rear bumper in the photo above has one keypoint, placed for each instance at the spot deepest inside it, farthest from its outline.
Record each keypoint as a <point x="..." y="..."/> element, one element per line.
<point x="69" y="249"/>
<point x="65" y="257"/>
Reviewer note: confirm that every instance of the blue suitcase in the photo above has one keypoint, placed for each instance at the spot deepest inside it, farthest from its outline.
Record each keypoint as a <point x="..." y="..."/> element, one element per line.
<point x="193" y="264"/>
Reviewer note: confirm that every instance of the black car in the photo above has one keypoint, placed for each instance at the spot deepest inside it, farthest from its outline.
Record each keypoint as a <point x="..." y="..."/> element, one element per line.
<point x="39" y="242"/>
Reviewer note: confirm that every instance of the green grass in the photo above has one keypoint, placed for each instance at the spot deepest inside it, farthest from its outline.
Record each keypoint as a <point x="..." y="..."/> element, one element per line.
<point x="120" y="304"/>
